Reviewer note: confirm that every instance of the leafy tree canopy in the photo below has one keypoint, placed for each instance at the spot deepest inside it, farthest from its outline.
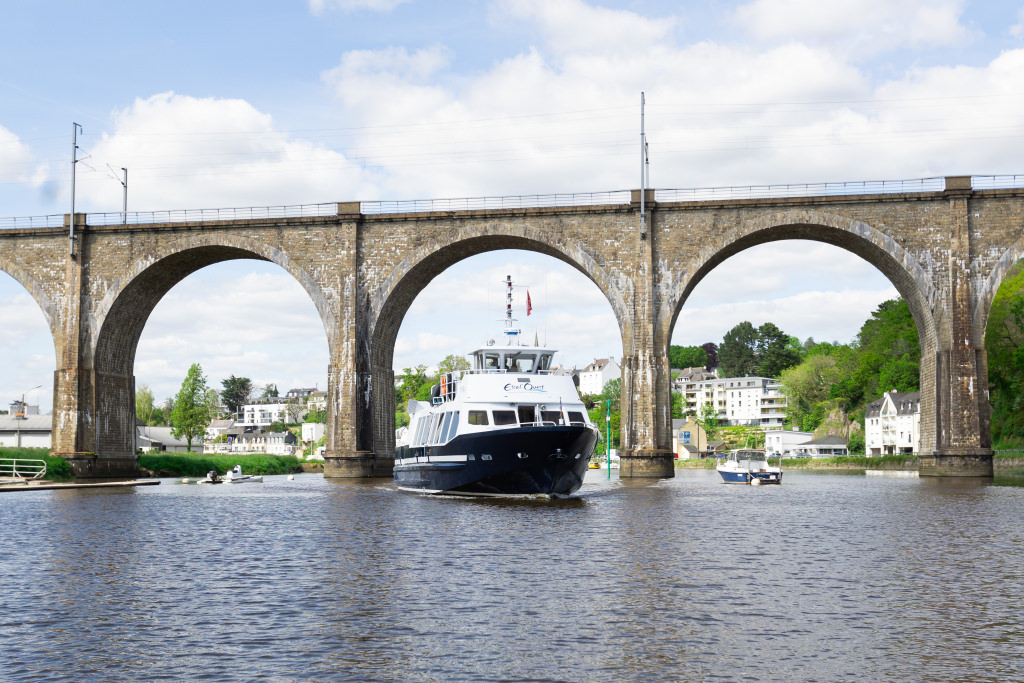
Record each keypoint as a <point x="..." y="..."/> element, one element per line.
<point x="191" y="414"/>
<point x="236" y="393"/>
<point x="687" y="357"/>
<point x="764" y="351"/>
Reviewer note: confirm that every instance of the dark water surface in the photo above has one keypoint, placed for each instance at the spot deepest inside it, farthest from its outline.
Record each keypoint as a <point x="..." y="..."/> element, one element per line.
<point x="826" y="578"/>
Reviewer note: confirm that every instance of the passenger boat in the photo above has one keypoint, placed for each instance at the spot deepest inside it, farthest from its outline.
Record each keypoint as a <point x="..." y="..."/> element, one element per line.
<point x="749" y="466"/>
<point x="510" y="425"/>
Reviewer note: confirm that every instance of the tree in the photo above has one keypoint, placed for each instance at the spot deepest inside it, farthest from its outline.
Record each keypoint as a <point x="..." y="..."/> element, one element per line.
<point x="687" y="357"/>
<point x="213" y="402"/>
<point x="775" y="350"/>
<point x="237" y="391"/>
<point x="293" y="410"/>
<point x="269" y="391"/>
<point x="144" y="405"/>
<point x="191" y="415"/>
<point x="452" y="363"/>
<point x="711" y="351"/>
<point x="708" y="419"/>
<point x="737" y="356"/>
<point x="764" y="351"/>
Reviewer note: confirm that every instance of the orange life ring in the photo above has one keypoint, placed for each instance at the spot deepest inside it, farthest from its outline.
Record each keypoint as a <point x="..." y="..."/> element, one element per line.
<point x="444" y="385"/>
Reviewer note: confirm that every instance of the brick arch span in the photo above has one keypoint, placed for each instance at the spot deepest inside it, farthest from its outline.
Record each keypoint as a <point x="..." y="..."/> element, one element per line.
<point x="387" y="304"/>
<point x="877" y="248"/>
<point x="118" y="319"/>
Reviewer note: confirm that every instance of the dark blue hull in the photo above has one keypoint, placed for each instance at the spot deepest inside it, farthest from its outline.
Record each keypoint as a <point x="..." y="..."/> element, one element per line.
<point x="549" y="460"/>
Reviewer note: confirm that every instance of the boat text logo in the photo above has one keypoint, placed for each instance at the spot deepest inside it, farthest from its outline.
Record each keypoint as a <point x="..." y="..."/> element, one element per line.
<point x="525" y="386"/>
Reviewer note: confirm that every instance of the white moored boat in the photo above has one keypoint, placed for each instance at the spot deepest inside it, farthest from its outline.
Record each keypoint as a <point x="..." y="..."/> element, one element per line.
<point x="749" y="466"/>
<point x="507" y="426"/>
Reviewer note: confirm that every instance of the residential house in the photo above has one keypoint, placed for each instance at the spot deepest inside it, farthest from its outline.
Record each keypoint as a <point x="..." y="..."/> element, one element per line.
<point x="691" y="375"/>
<point x="825" y="447"/>
<point x="597" y="374"/>
<point x="249" y="440"/>
<point x="316" y="401"/>
<point x="784" y="441"/>
<point x="218" y="428"/>
<point x="892" y="424"/>
<point x="150" y="438"/>
<point x="689" y="440"/>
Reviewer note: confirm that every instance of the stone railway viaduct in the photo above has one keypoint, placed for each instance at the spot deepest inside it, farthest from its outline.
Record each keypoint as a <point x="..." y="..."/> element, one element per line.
<point x="945" y="250"/>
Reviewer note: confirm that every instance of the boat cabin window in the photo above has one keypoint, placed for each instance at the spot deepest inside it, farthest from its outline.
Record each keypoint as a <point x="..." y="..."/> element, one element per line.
<point x="576" y="418"/>
<point x="452" y="428"/>
<point x="488" y="360"/>
<point x="521" y="362"/>
<point x="527" y="414"/>
<point x="478" y="417"/>
<point x="442" y="436"/>
<point x="554" y="416"/>
<point x="504" y="417"/>
<point x="545" y="362"/>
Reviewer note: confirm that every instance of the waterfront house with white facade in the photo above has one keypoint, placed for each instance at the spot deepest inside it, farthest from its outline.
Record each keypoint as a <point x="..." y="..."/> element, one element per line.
<point x="784" y="441"/>
<point x="597" y="374"/>
<point x="892" y="424"/>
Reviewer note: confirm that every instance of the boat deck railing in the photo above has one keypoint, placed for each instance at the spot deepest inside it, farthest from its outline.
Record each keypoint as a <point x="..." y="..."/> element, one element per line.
<point x="21" y="469"/>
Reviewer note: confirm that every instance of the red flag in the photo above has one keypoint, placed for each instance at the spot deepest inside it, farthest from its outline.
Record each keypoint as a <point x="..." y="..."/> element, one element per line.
<point x="529" y="306"/>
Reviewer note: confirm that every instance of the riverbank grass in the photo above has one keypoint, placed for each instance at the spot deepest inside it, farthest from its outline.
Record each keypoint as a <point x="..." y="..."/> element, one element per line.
<point x="197" y="464"/>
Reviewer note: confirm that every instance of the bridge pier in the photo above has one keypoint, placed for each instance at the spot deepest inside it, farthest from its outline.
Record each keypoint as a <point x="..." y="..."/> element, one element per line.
<point x="961" y="464"/>
<point x="647" y="463"/>
<point x="359" y="465"/>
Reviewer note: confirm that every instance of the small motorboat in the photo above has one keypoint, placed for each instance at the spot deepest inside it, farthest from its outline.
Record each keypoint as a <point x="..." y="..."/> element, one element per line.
<point x="235" y="476"/>
<point x="749" y="466"/>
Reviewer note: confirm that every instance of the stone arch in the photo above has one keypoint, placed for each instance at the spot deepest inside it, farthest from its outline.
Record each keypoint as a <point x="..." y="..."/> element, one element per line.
<point x="911" y="279"/>
<point x="985" y="288"/>
<point x="387" y="304"/>
<point x="117" y="321"/>
<point x="50" y="310"/>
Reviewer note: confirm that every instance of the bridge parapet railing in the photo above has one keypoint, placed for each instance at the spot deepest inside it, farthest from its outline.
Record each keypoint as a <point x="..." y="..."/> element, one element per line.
<point x="532" y="201"/>
<point x="610" y="198"/>
<point x="865" y="187"/>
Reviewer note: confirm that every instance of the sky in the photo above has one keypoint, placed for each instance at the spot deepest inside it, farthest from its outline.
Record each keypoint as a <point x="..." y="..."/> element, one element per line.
<point x="236" y="104"/>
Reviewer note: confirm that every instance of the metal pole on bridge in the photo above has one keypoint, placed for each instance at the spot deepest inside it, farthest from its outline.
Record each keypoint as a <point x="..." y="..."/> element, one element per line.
<point x="74" y="160"/>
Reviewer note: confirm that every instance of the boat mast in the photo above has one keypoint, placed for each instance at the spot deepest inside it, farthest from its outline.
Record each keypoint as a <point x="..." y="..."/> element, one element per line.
<point x="510" y="332"/>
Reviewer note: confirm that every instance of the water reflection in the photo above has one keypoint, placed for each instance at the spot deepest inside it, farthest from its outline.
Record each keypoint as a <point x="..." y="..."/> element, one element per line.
<point x="828" y="577"/>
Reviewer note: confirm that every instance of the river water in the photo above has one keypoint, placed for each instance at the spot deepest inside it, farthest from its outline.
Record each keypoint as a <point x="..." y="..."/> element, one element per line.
<point x="826" y="578"/>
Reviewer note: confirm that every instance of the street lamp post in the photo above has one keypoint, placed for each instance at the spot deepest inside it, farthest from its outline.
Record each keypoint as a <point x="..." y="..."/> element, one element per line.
<point x="21" y="416"/>
<point x="608" y="435"/>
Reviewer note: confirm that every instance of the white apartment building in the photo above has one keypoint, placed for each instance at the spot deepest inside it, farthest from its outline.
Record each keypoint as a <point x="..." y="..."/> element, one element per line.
<point x="262" y="412"/>
<point x="597" y="374"/>
<point x="739" y="400"/>
<point x="892" y="424"/>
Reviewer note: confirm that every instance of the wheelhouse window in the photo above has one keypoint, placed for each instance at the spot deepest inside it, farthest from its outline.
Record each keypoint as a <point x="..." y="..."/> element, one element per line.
<point x="554" y="416"/>
<point x="478" y="417"/>
<point x="576" y="417"/>
<point x="505" y="417"/>
<point x="521" y="362"/>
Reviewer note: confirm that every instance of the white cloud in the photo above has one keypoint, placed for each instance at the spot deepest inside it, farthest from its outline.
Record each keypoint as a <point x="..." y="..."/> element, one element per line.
<point x="574" y="28"/>
<point x="857" y="27"/>
<point x="321" y="6"/>
<point x="188" y="152"/>
<point x="1017" y="30"/>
